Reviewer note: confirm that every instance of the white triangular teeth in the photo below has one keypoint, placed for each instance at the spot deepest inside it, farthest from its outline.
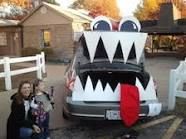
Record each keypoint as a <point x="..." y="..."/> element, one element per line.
<point x="78" y="89"/>
<point x="89" y="87"/>
<point x="111" y="40"/>
<point x="117" y="91"/>
<point x="110" y="46"/>
<point x="89" y="94"/>
<point x="149" y="93"/>
<point x="108" y="91"/>
<point x="99" y="87"/>
<point x="138" y="45"/>
<point x="92" y="40"/>
<point x="126" y="45"/>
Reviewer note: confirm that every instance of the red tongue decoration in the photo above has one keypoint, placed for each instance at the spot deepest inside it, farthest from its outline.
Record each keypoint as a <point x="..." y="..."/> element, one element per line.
<point x="129" y="104"/>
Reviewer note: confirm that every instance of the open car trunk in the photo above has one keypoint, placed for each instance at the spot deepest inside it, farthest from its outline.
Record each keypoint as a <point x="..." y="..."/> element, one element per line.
<point x="113" y="75"/>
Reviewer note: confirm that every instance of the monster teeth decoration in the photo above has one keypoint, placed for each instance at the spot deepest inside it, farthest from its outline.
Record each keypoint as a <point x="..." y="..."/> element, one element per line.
<point x="149" y="93"/>
<point x="108" y="94"/>
<point x="92" y="41"/>
<point x="111" y="40"/>
<point x="110" y="47"/>
<point x="97" y="94"/>
<point x="78" y="90"/>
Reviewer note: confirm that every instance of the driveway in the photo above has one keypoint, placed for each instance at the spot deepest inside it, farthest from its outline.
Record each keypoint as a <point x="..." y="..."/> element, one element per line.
<point x="62" y="129"/>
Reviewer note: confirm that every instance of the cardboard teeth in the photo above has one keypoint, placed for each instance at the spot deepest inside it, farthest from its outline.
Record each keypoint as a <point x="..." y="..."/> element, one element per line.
<point x="111" y="41"/>
<point x="108" y="94"/>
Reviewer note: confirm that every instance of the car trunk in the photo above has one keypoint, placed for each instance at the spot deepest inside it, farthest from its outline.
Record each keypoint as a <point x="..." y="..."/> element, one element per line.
<point x="112" y="74"/>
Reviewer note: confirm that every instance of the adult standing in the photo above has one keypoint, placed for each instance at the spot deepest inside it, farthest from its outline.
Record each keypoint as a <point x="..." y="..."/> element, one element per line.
<point x="21" y="123"/>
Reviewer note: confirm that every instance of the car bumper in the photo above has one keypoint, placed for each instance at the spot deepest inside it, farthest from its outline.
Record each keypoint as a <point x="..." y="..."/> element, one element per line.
<point x="98" y="110"/>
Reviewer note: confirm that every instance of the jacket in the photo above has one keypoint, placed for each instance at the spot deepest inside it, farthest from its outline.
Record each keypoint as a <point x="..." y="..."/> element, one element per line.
<point x="17" y="119"/>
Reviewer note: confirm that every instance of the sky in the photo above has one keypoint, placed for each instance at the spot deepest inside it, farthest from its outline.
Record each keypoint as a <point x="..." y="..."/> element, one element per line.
<point x="126" y="7"/>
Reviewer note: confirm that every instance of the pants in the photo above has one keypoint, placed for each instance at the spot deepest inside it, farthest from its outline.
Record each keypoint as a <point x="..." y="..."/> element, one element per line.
<point x="27" y="133"/>
<point x="45" y="127"/>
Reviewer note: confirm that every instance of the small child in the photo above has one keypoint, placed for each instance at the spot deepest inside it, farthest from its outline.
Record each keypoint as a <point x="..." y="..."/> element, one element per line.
<point x="44" y="106"/>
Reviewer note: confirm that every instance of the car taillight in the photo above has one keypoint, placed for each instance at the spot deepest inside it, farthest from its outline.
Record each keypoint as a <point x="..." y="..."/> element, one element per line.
<point x="70" y="79"/>
<point x="70" y="84"/>
<point x="155" y="85"/>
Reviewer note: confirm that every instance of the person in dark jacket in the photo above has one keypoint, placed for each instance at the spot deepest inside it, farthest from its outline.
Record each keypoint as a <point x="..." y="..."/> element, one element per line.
<point x="21" y="123"/>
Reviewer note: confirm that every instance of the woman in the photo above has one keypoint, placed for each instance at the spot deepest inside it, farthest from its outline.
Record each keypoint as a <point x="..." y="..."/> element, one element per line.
<point x="20" y="124"/>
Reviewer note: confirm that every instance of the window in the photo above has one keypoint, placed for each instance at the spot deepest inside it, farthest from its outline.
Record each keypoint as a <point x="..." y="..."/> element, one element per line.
<point x="3" y="39"/>
<point x="46" y="38"/>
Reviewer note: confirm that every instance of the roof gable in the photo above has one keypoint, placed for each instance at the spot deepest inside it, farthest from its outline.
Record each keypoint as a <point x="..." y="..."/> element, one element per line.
<point x="55" y="15"/>
<point x="73" y="14"/>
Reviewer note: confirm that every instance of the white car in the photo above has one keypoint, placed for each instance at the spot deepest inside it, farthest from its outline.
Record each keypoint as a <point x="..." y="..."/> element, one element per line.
<point x="105" y="60"/>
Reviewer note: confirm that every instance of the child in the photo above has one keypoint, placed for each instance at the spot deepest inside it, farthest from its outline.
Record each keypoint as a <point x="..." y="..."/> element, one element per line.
<point x="43" y="100"/>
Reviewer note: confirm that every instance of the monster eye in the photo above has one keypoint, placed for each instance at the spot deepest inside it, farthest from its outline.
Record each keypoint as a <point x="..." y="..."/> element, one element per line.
<point x="101" y="23"/>
<point x="129" y="24"/>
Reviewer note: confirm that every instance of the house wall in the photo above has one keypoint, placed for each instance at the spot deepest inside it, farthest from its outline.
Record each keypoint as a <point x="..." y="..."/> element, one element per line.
<point x="14" y="41"/>
<point x="46" y="16"/>
<point x="60" y="28"/>
<point x="61" y="38"/>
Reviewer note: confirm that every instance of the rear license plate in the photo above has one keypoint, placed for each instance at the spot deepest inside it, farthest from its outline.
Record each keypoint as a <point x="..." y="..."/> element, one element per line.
<point x="112" y="115"/>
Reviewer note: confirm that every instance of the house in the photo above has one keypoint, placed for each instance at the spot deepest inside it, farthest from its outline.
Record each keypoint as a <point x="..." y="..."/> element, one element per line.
<point x="51" y="26"/>
<point x="10" y="37"/>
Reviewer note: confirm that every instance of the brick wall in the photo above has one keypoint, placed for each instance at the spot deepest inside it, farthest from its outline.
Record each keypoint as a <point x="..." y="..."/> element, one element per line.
<point x="61" y="38"/>
<point x="13" y="36"/>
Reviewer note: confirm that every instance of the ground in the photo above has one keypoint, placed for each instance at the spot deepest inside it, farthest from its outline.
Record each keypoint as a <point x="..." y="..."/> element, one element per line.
<point x="64" y="129"/>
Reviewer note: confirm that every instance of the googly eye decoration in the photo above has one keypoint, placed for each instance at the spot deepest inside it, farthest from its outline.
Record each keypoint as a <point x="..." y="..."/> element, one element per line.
<point x="129" y="24"/>
<point x="101" y="23"/>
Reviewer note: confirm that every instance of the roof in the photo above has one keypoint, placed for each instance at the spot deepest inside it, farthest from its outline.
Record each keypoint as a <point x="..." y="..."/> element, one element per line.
<point x="74" y="14"/>
<point x="6" y="22"/>
<point x="152" y="27"/>
<point x="71" y="14"/>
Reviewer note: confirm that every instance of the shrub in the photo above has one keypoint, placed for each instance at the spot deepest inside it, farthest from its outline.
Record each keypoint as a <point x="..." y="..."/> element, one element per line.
<point x="30" y="51"/>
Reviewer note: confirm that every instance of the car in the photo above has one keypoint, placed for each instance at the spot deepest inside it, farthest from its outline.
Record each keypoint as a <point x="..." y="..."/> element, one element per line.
<point x="105" y="60"/>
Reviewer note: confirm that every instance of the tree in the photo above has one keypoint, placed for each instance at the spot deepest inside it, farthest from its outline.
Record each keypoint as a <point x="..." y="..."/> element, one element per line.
<point x="11" y="11"/>
<point x="148" y="10"/>
<point x="17" y="9"/>
<point x="21" y="3"/>
<point x="99" y="7"/>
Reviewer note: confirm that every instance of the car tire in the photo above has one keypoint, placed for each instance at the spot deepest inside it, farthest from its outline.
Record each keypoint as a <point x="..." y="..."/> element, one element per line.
<point x="65" y="115"/>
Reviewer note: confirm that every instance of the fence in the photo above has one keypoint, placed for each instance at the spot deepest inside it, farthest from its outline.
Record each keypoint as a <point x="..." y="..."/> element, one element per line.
<point x="176" y="84"/>
<point x="6" y="61"/>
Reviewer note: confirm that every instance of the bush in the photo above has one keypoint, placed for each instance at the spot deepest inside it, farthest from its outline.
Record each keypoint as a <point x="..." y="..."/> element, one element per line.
<point x="30" y="51"/>
<point x="49" y="52"/>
